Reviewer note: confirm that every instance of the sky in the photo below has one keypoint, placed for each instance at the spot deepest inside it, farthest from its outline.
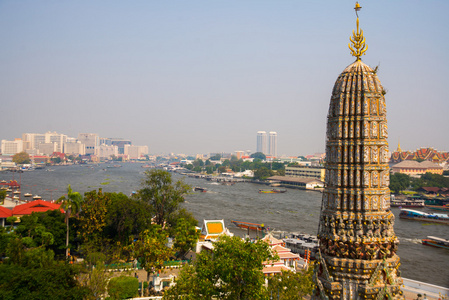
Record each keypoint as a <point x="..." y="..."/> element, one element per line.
<point x="204" y="76"/>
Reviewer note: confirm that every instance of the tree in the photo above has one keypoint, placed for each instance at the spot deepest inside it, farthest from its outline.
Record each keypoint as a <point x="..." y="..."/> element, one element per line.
<point x="151" y="249"/>
<point x="258" y="155"/>
<point x="215" y="157"/>
<point x="21" y="158"/>
<point x="233" y="270"/>
<point x="399" y="182"/>
<point x="185" y="235"/>
<point x="123" y="287"/>
<point x="71" y="205"/>
<point x="126" y="218"/>
<point x="263" y="173"/>
<point x="3" y="194"/>
<point x="162" y="194"/>
<point x="51" y="281"/>
<point x="93" y="219"/>
<point x="291" y="286"/>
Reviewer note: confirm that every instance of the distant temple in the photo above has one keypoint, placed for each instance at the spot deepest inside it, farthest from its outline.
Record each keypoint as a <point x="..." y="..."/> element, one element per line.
<point x="421" y="154"/>
<point x="357" y="257"/>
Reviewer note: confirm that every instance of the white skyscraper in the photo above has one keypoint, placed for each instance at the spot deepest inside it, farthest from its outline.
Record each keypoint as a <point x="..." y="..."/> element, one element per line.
<point x="272" y="143"/>
<point x="262" y="142"/>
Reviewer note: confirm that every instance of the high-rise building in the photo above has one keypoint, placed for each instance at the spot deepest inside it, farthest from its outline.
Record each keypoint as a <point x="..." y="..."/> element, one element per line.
<point x="272" y="143"/>
<point x="33" y="140"/>
<point x="357" y="257"/>
<point x="12" y="147"/>
<point x="135" y="152"/>
<point x="56" y="138"/>
<point x="120" y="143"/>
<point x="90" y="140"/>
<point x="261" y="142"/>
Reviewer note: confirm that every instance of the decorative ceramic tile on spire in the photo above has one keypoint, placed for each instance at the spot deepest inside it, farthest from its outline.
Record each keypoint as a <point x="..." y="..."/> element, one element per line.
<point x="357" y="258"/>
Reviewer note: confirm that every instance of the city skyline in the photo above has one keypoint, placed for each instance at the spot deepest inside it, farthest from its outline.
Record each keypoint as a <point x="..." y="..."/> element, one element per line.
<point x="202" y="77"/>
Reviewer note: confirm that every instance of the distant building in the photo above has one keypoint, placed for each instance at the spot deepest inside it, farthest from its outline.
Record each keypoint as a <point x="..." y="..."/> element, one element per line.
<point x="261" y="142"/>
<point x="105" y="151"/>
<point x="12" y="147"/>
<point x="428" y="154"/>
<point x="32" y="140"/>
<point x="75" y="148"/>
<point x="120" y="143"/>
<point x="297" y="182"/>
<point x="414" y="168"/>
<point x="305" y="172"/>
<point x="272" y="144"/>
<point x="135" y="152"/>
<point x="90" y="140"/>
<point x="239" y="154"/>
<point x="47" y="148"/>
<point x="57" y="139"/>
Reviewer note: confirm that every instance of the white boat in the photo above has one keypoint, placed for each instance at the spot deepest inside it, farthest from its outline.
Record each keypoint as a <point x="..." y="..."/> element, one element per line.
<point x="28" y="195"/>
<point x="36" y="197"/>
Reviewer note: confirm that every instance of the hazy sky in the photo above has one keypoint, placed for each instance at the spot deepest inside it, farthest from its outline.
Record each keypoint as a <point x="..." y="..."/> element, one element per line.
<point x="205" y="76"/>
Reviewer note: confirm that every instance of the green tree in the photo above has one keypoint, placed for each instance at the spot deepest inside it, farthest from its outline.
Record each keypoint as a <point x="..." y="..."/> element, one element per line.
<point x="263" y="173"/>
<point x="92" y="220"/>
<point x="21" y="158"/>
<point x="71" y="205"/>
<point x="151" y="249"/>
<point x="52" y="281"/>
<point x="233" y="270"/>
<point x="123" y="287"/>
<point x="291" y="286"/>
<point x="215" y="157"/>
<point x="399" y="182"/>
<point x="126" y="218"/>
<point x="259" y="155"/>
<point x="3" y="194"/>
<point x="162" y="194"/>
<point x="185" y="236"/>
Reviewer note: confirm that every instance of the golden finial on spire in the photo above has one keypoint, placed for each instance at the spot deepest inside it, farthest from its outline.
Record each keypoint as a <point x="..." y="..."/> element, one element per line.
<point x="358" y="47"/>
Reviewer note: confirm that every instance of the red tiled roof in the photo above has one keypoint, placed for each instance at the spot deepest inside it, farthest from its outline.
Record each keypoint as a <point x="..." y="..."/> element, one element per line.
<point x="35" y="206"/>
<point x="5" y="212"/>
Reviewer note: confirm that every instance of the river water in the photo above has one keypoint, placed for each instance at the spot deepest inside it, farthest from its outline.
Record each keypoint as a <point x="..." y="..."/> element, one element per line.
<point x="293" y="211"/>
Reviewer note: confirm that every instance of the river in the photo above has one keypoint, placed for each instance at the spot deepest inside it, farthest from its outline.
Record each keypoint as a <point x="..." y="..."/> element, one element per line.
<point x="293" y="211"/>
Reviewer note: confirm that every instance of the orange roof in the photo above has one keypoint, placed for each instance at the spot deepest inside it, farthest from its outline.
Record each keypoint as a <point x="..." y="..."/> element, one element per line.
<point x="5" y="212"/>
<point x="35" y="206"/>
<point x="274" y="269"/>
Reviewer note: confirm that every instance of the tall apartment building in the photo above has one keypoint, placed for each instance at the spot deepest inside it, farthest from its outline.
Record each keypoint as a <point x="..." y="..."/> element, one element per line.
<point x="120" y="143"/>
<point x="261" y="142"/>
<point x="74" y="148"/>
<point x="32" y="140"/>
<point x="105" y="151"/>
<point x="12" y="147"/>
<point x="90" y="140"/>
<point x="56" y="138"/>
<point x="272" y="143"/>
<point x="135" y="152"/>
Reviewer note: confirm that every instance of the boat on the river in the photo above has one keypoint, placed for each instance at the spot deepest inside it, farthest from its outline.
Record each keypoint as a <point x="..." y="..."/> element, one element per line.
<point x="28" y="195"/>
<point x="436" y="242"/>
<point x="444" y="207"/>
<point x="200" y="189"/>
<point x="250" y="226"/>
<point x="272" y="191"/>
<point x="412" y="203"/>
<point x="422" y="216"/>
<point x="36" y="197"/>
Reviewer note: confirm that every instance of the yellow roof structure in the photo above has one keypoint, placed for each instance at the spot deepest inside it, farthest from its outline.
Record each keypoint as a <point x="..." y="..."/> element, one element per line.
<point x="212" y="229"/>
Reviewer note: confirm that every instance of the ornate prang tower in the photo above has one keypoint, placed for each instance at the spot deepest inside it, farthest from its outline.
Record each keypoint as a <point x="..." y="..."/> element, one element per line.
<point x="357" y="242"/>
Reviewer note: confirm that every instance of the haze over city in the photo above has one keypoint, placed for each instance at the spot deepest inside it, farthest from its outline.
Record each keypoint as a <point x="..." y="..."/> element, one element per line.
<point x="205" y="76"/>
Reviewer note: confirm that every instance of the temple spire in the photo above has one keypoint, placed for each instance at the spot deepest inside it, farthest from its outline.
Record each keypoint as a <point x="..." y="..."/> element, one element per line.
<point x="358" y="47"/>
